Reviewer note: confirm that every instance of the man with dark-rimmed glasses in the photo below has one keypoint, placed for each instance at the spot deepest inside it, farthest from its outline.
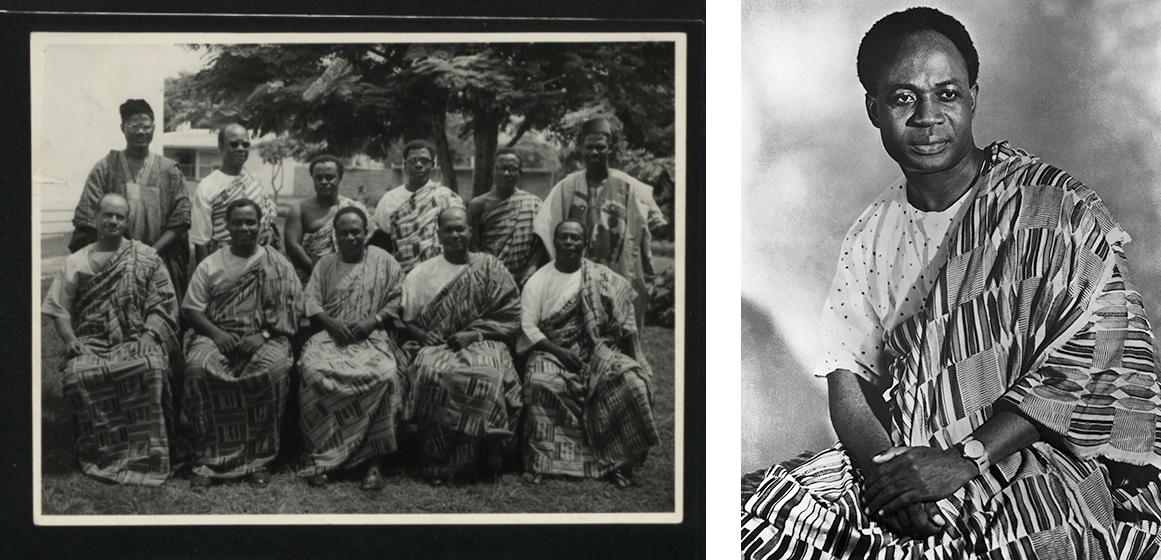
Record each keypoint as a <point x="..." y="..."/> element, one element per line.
<point x="406" y="215"/>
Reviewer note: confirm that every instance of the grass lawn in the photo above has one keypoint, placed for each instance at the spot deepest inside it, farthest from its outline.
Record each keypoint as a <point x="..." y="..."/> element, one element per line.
<point x="68" y="492"/>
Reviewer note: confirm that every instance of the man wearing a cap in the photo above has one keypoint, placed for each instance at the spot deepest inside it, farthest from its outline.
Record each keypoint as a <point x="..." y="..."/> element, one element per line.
<point x="159" y="209"/>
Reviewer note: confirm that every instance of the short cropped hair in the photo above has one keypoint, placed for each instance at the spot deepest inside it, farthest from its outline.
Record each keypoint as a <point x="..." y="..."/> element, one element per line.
<point x="879" y="42"/>
<point x="135" y="107"/>
<point x="508" y="152"/>
<point x="324" y="159"/>
<point x="584" y="229"/>
<point x="241" y="202"/>
<point x="419" y="144"/>
<point x="349" y="210"/>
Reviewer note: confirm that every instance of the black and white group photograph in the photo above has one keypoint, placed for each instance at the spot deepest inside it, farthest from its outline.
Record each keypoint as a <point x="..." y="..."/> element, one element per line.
<point x="950" y="280"/>
<point x="410" y="278"/>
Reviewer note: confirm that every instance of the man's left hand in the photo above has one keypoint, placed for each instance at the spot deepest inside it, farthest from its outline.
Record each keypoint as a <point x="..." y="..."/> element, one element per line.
<point x="461" y="339"/>
<point x="146" y="341"/>
<point x="907" y="475"/>
<point x="362" y="329"/>
<point x="247" y="346"/>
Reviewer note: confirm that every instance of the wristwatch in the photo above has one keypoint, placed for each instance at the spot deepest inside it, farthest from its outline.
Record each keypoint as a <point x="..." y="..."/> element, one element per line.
<point x="266" y="334"/>
<point x="973" y="450"/>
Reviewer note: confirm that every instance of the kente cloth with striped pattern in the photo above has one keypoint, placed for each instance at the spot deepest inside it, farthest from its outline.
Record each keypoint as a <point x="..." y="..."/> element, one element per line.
<point x="1032" y="309"/>
<point x="228" y="189"/>
<point x="234" y="403"/>
<point x="467" y="401"/>
<point x="158" y="201"/>
<point x="322" y="240"/>
<point x="506" y="232"/>
<point x="119" y="391"/>
<point x="619" y="215"/>
<point x="351" y="397"/>
<point x="591" y="422"/>
<point x="413" y="224"/>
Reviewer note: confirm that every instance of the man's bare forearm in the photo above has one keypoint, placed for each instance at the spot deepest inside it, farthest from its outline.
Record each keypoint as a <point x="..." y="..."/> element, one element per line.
<point x="859" y="430"/>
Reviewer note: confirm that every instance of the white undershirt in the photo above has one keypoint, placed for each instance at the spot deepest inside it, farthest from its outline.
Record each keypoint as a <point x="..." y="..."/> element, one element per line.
<point x="545" y="293"/>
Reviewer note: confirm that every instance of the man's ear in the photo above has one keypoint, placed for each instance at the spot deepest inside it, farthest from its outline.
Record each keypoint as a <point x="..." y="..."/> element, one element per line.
<point x="975" y="93"/>
<point x="873" y="109"/>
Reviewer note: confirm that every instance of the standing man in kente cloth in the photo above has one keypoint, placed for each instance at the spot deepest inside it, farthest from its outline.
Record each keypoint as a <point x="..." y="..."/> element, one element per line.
<point x="502" y="218"/>
<point x="461" y="310"/>
<point x="617" y="210"/>
<point x="310" y="229"/>
<point x="158" y="203"/>
<point x="992" y="374"/>
<point x="244" y="303"/>
<point x="114" y="307"/>
<point x="406" y="215"/>
<point x="589" y="402"/>
<point x="223" y="186"/>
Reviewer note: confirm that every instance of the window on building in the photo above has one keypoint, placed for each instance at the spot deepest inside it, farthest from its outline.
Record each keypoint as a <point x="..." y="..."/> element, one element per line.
<point x="186" y="163"/>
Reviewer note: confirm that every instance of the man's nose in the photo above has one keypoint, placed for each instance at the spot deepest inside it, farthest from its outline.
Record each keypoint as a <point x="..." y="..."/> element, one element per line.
<point x="927" y="113"/>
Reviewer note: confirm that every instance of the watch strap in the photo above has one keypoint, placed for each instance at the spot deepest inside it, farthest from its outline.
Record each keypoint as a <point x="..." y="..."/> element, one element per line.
<point x="974" y="450"/>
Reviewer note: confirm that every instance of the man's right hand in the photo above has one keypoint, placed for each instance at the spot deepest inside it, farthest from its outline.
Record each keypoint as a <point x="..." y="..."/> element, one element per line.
<point x="569" y="359"/>
<point x="225" y="342"/>
<point x="918" y="521"/>
<point x="76" y="348"/>
<point x="339" y="332"/>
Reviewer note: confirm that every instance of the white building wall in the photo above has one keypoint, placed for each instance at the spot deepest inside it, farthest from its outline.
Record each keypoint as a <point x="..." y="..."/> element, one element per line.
<point x="76" y="90"/>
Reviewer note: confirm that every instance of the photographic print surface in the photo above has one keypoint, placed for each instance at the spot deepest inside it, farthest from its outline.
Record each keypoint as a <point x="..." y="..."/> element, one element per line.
<point x="360" y="98"/>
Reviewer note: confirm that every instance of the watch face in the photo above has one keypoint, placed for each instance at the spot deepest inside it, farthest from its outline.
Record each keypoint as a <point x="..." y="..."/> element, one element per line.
<point x="973" y="449"/>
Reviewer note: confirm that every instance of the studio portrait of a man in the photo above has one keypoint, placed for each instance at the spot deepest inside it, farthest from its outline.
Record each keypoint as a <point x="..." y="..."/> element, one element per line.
<point x="980" y="334"/>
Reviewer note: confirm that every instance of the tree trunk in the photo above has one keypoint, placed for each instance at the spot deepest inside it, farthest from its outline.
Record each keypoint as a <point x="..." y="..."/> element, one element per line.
<point x="486" y="134"/>
<point x="438" y="120"/>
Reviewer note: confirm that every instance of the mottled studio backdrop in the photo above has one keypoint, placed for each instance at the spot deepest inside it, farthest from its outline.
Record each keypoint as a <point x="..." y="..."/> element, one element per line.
<point x="1075" y="82"/>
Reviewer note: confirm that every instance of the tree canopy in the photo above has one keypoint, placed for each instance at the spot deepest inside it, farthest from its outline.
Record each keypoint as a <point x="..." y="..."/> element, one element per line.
<point x="347" y="99"/>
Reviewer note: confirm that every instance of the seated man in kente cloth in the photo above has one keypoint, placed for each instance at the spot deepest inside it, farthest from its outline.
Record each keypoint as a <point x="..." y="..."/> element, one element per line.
<point x="243" y="304"/>
<point x="406" y="214"/>
<point x="501" y="218"/>
<point x="992" y="374"/>
<point x="310" y="231"/>
<point x="351" y="399"/>
<point x="461" y="310"/>
<point x="159" y="208"/>
<point x="230" y="182"/>
<point x="114" y="307"/>
<point x="590" y="408"/>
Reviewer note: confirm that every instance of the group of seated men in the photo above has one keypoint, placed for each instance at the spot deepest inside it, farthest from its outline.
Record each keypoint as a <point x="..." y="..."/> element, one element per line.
<point x="417" y="321"/>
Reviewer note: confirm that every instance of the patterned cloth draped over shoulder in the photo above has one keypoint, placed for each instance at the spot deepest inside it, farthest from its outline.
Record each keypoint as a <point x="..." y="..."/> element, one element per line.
<point x="507" y="232"/>
<point x="214" y="194"/>
<point x="158" y="202"/>
<point x="413" y="224"/>
<point x="592" y="422"/>
<point x="119" y="389"/>
<point x="351" y="402"/>
<point x="468" y="400"/>
<point x="235" y="403"/>
<point x="1032" y="308"/>
<point x="618" y="214"/>
<point x="322" y="240"/>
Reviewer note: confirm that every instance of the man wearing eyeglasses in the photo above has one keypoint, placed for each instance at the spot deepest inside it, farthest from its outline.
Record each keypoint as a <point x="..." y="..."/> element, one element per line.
<point x="159" y="208"/>
<point x="406" y="215"/>
<point x="226" y="184"/>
